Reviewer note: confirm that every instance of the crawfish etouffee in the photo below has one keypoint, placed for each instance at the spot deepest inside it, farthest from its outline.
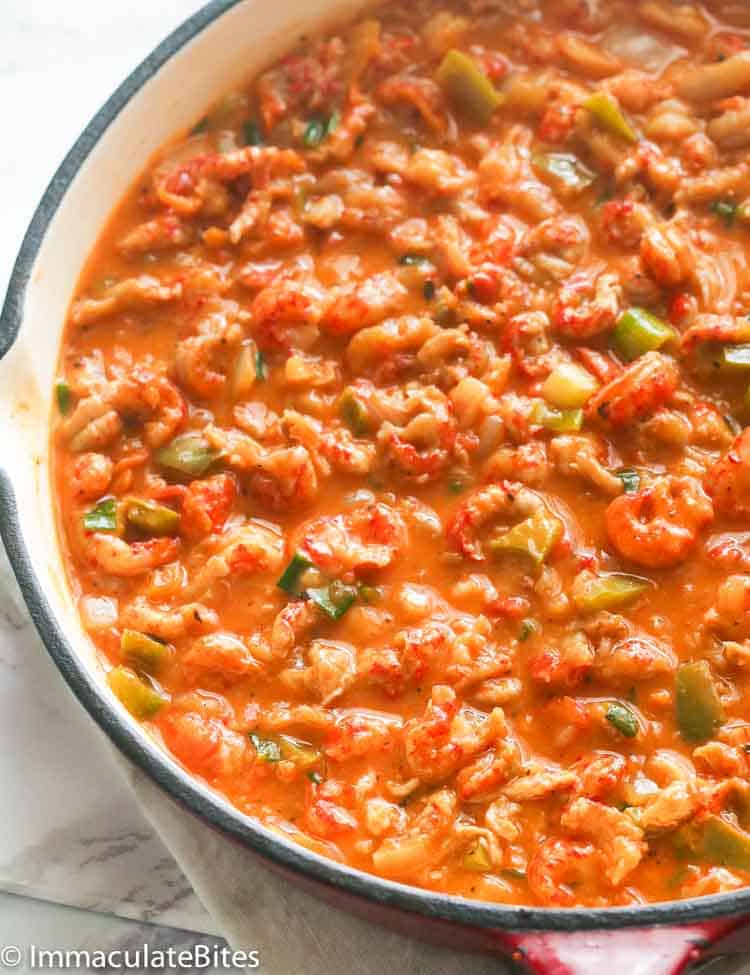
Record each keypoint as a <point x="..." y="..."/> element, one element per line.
<point x="400" y="448"/>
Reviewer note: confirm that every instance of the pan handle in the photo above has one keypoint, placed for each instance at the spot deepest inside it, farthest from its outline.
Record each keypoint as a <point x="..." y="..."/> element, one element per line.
<point x="628" y="951"/>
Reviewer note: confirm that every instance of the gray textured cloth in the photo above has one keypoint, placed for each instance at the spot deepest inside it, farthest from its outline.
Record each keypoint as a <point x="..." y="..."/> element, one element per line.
<point x="293" y="932"/>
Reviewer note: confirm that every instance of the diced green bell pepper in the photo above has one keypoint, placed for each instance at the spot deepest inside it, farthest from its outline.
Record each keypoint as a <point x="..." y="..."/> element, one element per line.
<point x="354" y="413"/>
<point x="143" y="652"/>
<point x="534" y="537"/>
<point x="291" y="577"/>
<point x="716" y="840"/>
<point x="102" y="517"/>
<point x="477" y="857"/>
<point x="638" y="331"/>
<point x="467" y="86"/>
<point x="609" y="591"/>
<point x="565" y="169"/>
<point x="142" y="699"/>
<point x="623" y="718"/>
<point x="697" y="704"/>
<point x="605" y="110"/>
<point x="151" y="518"/>
<point x="559" y="421"/>
<point x="188" y="455"/>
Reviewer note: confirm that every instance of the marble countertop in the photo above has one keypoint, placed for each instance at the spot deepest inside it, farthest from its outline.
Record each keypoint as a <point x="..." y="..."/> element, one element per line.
<point x="73" y="833"/>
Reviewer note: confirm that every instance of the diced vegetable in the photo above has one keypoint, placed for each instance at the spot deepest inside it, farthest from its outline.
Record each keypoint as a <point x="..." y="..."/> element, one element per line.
<point x="318" y="128"/>
<point x="698" y="706"/>
<point x="414" y="260"/>
<point x="477" y="857"/>
<point x="725" y="210"/>
<point x="334" y="599"/>
<point x="354" y="413"/>
<point x="620" y="716"/>
<point x="428" y="290"/>
<point x="369" y="594"/>
<point x="565" y="169"/>
<point x="267" y="750"/>
<point x="261" y="369"/>
<point x="609" y="591"/>
<point x="102" y="517"/>
<point x="569" y="386"/>
<point x="291" y="578"/>
<point x="733" y="358"/>
<point x="605" y="110"/>
<point x="559" y="421"/>
<point x="151" y="518"/>
<point x="251" y="133"/>
<point x="718" y="841"/>
<point x="63" y="396"/>
<point x="464" y="82"/>
<point x="188" y="455"/>
<point x="638" y="331"/>
<point x="528" y="628"/>
<point x="631" y="479"/>
<point x="302" y="753"/>
<point x="142" y="699"/>
<point x="534" y="537"/>
<point x="143" y="652"/>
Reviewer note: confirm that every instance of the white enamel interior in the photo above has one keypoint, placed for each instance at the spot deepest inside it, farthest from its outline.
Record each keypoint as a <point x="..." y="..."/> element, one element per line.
<point x="227" y="52"/>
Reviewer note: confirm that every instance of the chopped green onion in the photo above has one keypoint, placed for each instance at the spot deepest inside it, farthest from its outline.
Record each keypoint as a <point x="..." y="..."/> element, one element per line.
<point x="725" y="210"/>
<point x="456" y="485"/>
<point x="251" y="133"/>
<point x="334" y="599"/>
<point x="559" y="421"/>
<point x="606" y="112"/>
<point x="63" y="395"/>
<point x="466" y="84"/>
<point x="291" y="578"/>
<point x="369" y="594"/>
<point x="333" y="123"/>
<point x="534" y="537"/>
<point x="565" y="169"/>
<point x="261" y="370"/>
<point x="266" y="750"/>
<point x="102" y="517"/>
<point x="188" y="455"/>
<point x="314" y="133"/>
<point x="609" y="591"/>
<point x="697" y="703"/>
<point x="638" y="331"/>
<point x="569" y="386"/>
<point x="142" y="699"/>
<point x="620" y="716"/>
<point x="143" y="652"/>
<point x="354" y="413"/>
<point x="315" y="777"/>
<point x="631" y="479"/>
<point x="151" y="518"/>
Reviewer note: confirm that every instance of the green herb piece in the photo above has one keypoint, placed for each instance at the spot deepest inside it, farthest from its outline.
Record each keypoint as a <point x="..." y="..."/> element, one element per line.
<point x="266" y="750"/>
<point x="261" y="369"/>
<point x="631" y="479"/>
<point x="144" y="652"/>
<point x="413" y="260"/>
<point x="334" y="599"/>
<point x="102" y="517"/>
<point x="188" y="455"/>
<point x="251" y="133"/>
<point x="63" y="395"/>
<point x="638" y="331"/>
<point x="151" y="518"/>
<point x="315" y="777"/>
<point x="291" y="578"/>
<point x="620" y="716"/>
<point x="314" y="133"/>
<point x="697" y="703"/>
<point x="142" y="699"/>
<point x="468" y="87"/>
